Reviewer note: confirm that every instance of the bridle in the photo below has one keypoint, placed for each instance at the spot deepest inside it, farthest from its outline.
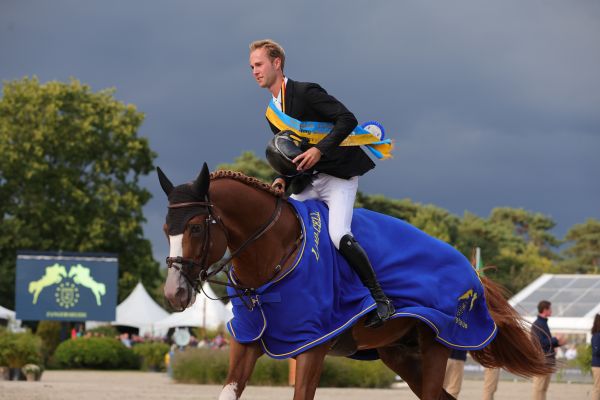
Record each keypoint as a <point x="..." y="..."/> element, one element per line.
<point x="188" y="265"/>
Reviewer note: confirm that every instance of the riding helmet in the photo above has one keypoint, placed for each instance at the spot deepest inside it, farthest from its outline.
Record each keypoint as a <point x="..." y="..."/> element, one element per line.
<point x="281" y="150"/>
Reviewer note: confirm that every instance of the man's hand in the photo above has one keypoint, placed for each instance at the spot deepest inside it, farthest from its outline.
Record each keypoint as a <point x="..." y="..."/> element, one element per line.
<point x="308" y="159"/>
<point x="562" y="340"/>
<point x="279" y="185"/>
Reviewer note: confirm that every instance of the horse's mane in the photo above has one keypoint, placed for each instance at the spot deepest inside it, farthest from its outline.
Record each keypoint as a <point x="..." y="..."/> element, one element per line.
<point x="248" y="180"/>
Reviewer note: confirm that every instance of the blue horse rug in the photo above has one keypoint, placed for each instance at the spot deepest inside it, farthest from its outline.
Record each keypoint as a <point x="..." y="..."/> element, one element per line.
<point x="320" y="295"/>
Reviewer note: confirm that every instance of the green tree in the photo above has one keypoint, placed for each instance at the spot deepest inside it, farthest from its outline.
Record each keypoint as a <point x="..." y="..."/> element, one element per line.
<point x="514" y="241"/>
<point x="583" y="253"/>
<point x="403" y="209"/>
<point x="437" y="222"/>
<point x="69" y="171"/>
<point x="248" y="163"/>
<point x="531" y="227"/>
<point x="474" y="231"/>
<point x="433" y="220"/>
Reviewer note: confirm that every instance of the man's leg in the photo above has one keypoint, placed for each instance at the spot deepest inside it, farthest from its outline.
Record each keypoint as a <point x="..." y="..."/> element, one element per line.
<point x="339" y="194"/>
<point x="307" y="194"/>
<point x="547" y="380"/>
<point x="540" y="386"/>
<point x="455" y="371"/>
<point x="490" y="382"/>
<point x="596" y="387"/>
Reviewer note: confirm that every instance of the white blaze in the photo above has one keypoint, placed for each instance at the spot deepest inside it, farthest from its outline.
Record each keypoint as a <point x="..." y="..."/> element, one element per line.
<point x="175" y="279"/>
<point x="176" y="245"/>
<point x="173" y="275"/>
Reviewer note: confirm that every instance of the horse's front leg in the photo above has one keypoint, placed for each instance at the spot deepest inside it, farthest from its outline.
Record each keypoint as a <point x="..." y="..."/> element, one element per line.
<point x="308" y="371"/>
<point x="242" y="358"/>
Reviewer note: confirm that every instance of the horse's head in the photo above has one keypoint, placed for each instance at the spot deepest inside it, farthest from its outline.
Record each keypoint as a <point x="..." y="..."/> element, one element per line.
<point x="73" y="271"/>
<point x="196" y="241"/>
<point x="57" y="270"/>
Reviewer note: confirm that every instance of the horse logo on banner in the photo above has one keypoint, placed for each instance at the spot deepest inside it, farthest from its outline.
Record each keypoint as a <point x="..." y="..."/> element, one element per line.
<point x="67" y="293"/>
<point x="81" y="276"/>
<point x="52" y="276"/>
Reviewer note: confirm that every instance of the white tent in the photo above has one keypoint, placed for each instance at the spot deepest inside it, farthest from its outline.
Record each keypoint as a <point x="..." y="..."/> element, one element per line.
<point x="229" y="307"/>
<point x="5" y="313"/>
<point x="140" y="311"/>
<point x="14" y="324"/>
<point x="203" y="313"/>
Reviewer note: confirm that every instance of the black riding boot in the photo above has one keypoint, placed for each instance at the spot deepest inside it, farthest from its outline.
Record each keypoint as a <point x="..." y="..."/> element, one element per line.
<point x="359" y="261"/>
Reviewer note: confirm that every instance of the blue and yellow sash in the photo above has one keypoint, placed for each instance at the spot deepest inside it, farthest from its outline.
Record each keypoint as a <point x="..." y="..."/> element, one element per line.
<point x="316" y="131"/>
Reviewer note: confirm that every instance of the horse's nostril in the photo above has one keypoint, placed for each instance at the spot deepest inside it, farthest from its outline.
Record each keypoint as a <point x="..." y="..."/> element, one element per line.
<point x="181" y="297"/>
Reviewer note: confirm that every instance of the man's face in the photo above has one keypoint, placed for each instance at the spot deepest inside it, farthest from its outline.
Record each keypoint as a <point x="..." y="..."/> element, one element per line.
<point x="547" y="312"/>
<point x="263" y="69"/>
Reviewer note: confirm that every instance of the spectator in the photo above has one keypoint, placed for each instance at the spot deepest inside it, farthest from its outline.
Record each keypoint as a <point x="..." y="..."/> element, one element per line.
<point x="219" y="341"/>
<point x="169" y="357"/>
<point x="596" y="357"/>
<point x="490" y="382"/>
<point x="559" y="353"/>
<point x="136" y="339"/>
<point x="541" y="331"/>
<point x="571" y="353"/>
<point x="455" y="370"/>
<point x="203" y="343"/>
<point x="125" y="340"/>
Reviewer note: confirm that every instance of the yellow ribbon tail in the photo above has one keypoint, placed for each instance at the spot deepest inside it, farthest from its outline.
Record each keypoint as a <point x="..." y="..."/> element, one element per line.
<point x="385" y="149"/>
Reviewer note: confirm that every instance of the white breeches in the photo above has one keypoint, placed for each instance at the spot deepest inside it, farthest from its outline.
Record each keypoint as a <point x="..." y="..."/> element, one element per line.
<point x="339" y="195"/>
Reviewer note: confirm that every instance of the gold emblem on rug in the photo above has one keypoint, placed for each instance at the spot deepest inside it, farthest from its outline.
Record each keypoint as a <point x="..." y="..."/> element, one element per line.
<point x="465" y="304"/>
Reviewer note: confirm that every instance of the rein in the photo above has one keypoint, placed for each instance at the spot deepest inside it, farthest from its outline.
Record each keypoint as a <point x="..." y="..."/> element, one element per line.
<point x="208" y="271"/>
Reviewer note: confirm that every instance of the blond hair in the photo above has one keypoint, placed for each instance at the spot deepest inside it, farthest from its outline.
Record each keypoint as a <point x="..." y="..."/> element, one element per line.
<point x="274" y="49"/>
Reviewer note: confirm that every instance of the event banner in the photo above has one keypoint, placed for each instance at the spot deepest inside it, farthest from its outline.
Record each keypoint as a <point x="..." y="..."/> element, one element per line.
<point x="66" y="286"/>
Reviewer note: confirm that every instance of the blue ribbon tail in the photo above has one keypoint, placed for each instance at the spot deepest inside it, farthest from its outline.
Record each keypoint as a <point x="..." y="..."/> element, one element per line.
<point x="375" y="152"/>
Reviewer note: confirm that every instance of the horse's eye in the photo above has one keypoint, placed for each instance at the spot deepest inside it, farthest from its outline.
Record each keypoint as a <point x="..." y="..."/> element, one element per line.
<point x="196" y="230"/>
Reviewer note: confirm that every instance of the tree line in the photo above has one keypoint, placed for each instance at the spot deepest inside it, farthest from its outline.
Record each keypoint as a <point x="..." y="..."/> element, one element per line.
<point x="69" y="178"/>
<point x="70" y="165"/>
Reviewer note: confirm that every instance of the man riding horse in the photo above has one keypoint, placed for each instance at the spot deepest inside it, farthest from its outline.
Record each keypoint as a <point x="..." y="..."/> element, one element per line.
<point x="327" y="170"/>
<point x="286" y="305"/>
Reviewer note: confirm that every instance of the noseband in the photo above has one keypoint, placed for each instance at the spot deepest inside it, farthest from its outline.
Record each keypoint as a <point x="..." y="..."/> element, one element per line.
<point x="187" y="265"/>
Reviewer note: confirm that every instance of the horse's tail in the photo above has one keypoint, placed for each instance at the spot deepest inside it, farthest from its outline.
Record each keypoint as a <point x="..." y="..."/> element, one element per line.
<point x="514" y="348"/>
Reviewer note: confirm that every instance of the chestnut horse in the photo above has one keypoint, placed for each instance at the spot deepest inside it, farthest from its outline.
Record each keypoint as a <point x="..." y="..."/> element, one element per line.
<point x="231" y="211"/>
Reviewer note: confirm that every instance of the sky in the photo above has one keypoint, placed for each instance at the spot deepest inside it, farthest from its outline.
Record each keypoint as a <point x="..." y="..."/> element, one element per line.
<point x="489" y="103"/>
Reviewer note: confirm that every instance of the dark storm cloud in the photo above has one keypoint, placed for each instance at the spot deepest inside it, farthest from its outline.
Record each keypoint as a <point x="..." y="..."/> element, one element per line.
<point x="490" y="104"/>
